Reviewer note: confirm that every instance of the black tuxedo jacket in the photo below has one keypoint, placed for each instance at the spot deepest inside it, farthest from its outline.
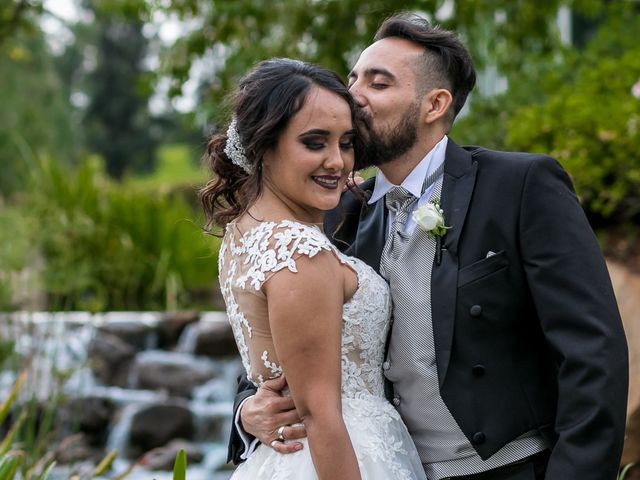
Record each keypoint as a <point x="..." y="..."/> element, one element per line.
<point x="528" y="338"/>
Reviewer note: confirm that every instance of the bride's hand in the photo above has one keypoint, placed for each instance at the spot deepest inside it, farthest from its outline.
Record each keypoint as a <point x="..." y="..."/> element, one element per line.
<point x="263" y="414"/>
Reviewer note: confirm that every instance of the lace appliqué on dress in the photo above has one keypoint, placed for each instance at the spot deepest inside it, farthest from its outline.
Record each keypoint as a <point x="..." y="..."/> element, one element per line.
<point x="374" y="425"/>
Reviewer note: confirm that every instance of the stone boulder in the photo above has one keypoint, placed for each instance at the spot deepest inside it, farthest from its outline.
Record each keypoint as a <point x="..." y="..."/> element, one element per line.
<point x="110" y="358"/>
<point x="155" y="425"/>
<point x="89" y="415"/>
<point x="139" y="334"/>
<point x="175" y="373"/>
<point x="215" y="339"/>
<point x="163" y="458"/>
<point x="172" y="325"/>
<point x="77" y="448"/>
<point x="626" y="283"/>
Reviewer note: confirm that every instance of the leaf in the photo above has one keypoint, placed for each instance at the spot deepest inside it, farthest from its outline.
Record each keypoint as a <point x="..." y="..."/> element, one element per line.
<point x="105" y="463"/>
<point x="180" y="466"/>
<point x="9" y="465"/>
<point x="8" y="439"/>
<point x="47" y="471"/>
<point x="625" y="470"/>
<point x="6" y="405"/>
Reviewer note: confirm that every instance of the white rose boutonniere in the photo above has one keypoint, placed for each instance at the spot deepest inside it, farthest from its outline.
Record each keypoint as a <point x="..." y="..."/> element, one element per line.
<point x="430" y="217"/>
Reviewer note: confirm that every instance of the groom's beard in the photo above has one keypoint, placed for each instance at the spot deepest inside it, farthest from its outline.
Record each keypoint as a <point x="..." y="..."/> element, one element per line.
<point x="384" y="146"/>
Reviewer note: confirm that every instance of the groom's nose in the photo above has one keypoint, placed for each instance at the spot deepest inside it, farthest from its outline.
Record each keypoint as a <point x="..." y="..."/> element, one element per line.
<point x="356" y="93"/>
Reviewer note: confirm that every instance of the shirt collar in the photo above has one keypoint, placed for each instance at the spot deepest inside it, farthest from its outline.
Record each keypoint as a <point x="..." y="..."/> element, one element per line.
<point x="413" y="183"/>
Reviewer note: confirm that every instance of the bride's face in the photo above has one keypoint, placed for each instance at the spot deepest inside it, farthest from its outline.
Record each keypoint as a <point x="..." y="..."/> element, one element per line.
<point x="309" y="165"/>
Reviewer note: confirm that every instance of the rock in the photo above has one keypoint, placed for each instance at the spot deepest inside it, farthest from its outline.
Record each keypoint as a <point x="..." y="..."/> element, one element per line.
<point x="138" y="334"/>
<point x="172" y="325"/>
<point x="215" y="340"/>
<point x="77" y="448"/>
<point x="89" y="415"/>
<point x="156" y="425"/>
<point x="626" y="284"/>
<point x="175" y="373"/>
<point x="163" y="458"/>
<point x="110" y="358"/>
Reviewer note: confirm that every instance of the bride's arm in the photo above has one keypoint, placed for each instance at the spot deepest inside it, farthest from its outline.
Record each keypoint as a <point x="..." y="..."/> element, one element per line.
<point x="305" y="315"/>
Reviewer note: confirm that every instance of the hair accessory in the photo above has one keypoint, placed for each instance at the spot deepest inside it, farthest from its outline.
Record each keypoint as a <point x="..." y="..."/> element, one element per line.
<point x="234" y="148"/>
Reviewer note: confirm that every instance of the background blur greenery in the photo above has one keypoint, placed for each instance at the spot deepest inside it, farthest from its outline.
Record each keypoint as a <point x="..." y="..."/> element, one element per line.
<point x="99" y="156"/>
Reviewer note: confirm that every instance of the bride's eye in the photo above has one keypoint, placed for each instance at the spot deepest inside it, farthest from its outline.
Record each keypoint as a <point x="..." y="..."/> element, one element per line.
<point x="314" y="143"/>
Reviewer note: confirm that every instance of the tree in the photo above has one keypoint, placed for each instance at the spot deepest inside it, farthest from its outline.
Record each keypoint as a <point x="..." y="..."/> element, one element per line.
<point x="36" y="118"/>
<point x="503" y="33"/>
<point x="117" y="120"/>
<point x="589" y="119"/>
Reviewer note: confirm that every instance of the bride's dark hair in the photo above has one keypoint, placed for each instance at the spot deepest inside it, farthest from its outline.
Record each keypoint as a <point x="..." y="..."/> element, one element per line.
<point x="264" y="102"/>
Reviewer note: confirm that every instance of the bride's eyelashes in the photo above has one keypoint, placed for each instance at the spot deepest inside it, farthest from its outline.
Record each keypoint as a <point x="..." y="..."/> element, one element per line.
<point x="320" y="143"/>
<point x="314" y="144"/>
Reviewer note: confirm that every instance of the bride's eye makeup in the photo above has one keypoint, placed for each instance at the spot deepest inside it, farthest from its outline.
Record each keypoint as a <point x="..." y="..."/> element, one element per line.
<point x="314" y="140"/>
<point x="346" y="142"/>
<point x="314" y="144"/>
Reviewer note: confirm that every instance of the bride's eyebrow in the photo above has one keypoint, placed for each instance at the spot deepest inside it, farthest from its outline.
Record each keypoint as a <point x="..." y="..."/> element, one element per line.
<point x="324" y="133"/>
<point x="315" y="131"/>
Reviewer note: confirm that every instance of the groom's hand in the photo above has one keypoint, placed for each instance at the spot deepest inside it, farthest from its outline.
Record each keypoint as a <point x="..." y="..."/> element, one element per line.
<point x="263" y="414"/>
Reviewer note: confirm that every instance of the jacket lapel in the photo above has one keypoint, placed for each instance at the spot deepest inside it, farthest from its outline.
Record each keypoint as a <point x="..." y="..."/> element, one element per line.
<point x="371" y="235"/>
<point x="457" y="189"/>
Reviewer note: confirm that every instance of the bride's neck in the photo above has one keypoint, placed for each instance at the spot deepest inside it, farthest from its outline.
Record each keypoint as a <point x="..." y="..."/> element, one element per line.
<point x="273" y="206"/>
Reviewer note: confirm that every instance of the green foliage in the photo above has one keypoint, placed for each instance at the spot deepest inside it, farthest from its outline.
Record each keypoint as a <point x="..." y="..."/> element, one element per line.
<point x="110" y="246"/>
<point x="332" y="33"/>
<point x="175" y="165"/>
<point x="117" y="120"/>
<point x="36" y="117"/>
<point x="23" y="450"/>
<point x="589" y="120"/>
<point x="16" y="252"/>
<point x="180" y="466"/>
<point x="17" y="17"/>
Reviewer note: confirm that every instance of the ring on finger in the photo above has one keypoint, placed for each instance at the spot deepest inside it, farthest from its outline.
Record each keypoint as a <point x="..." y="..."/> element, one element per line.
<point x="281" y="433"/>
<point x="273" y="442"/>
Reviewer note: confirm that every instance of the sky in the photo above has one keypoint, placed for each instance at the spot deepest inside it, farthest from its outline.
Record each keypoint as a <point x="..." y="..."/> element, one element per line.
<point x="168" y="30"/>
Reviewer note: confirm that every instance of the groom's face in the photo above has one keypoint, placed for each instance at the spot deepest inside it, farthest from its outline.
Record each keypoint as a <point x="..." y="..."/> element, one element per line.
<point x="384" y="86"/>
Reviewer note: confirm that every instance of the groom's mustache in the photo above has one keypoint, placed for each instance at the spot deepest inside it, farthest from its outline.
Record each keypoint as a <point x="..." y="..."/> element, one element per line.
<point x="364" y="119"/>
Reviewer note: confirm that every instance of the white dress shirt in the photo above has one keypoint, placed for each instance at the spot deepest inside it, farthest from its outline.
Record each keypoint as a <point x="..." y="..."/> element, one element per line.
<point x="413" y="183"/>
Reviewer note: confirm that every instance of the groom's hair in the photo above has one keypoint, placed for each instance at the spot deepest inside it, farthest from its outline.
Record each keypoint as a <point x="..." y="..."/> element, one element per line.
<point x="446" y="61"/>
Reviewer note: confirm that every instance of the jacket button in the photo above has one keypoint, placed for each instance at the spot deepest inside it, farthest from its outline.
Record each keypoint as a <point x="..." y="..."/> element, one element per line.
<point x="386" y="365"/>
<point x="475" y="311"/>
<point x="396" y="401"/>
<point x="478" y="370"/>
<point x="478" y="438"/>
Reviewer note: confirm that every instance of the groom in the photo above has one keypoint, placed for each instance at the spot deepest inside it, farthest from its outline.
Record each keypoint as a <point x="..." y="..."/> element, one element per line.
<point x="507" y="358"/>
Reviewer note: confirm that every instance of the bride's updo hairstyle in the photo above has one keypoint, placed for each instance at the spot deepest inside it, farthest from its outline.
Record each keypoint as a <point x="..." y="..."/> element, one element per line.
<point x="264" y="102"/>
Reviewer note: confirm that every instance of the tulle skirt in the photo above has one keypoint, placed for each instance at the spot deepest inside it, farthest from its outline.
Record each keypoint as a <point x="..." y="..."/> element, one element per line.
<point x="380" y="439"/>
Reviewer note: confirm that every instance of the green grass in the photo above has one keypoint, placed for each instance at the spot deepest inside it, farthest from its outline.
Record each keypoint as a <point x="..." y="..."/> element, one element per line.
<point x="177" y="164"/>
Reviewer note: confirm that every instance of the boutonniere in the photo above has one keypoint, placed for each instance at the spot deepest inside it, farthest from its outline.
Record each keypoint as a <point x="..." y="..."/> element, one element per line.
<point x="430" y="218"/>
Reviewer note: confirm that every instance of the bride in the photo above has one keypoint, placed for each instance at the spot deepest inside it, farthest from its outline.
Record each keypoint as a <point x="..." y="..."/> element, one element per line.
<point x="298" y="307"/>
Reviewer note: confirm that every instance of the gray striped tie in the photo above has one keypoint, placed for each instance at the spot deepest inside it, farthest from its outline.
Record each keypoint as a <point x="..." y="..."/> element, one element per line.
<point x="399" y="201"/>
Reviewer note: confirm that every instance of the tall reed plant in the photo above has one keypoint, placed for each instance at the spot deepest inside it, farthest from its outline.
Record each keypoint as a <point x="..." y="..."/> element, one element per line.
<point x="109" y="246"/>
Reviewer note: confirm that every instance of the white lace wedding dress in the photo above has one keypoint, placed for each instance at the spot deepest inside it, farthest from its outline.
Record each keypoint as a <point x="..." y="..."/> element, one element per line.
<point x="380" y="439"/>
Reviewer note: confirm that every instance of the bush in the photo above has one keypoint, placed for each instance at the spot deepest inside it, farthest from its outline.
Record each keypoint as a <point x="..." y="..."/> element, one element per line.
<point x="109" y="246"/>
<point x="590" y="121"/>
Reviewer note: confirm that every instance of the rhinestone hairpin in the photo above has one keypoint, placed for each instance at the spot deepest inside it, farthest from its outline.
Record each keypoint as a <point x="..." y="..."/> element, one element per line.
<point x="234" y="148"/>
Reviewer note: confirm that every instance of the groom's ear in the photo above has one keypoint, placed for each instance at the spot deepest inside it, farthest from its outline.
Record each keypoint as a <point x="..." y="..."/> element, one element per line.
<point x="436" y="104"/>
